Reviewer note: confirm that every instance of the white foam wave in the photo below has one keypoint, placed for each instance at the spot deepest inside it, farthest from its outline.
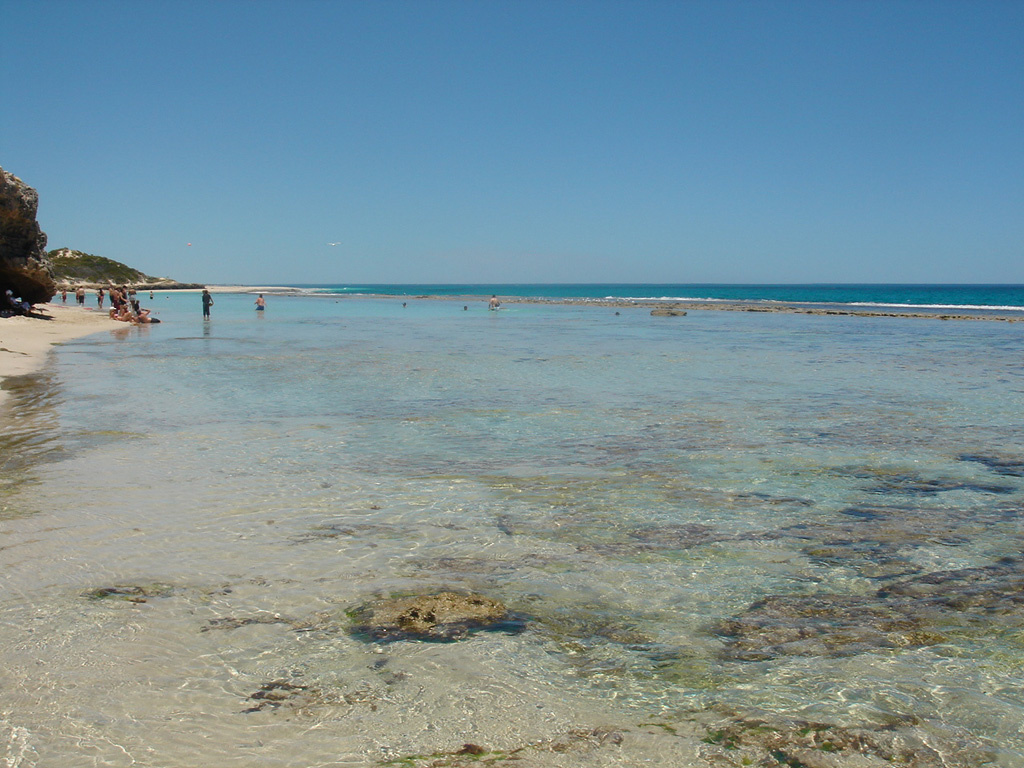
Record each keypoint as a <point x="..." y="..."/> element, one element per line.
<point x="973" y="307"/>
<point x="875" y="304"/>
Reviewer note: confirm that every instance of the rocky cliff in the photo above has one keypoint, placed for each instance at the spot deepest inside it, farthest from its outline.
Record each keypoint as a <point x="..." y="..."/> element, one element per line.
<point x="24" y="267"/>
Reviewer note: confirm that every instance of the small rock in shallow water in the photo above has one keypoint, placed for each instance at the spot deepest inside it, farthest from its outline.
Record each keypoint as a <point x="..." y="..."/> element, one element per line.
<point x="280" y="693"/>
<point x="442" y="617"/>
<point x="130" y="593"/>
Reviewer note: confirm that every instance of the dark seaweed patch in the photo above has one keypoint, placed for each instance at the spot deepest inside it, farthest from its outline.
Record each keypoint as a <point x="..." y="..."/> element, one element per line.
<point x="999" y="465"/>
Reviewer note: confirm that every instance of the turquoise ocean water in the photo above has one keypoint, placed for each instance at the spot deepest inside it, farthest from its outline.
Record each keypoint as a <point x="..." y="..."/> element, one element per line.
<point x="1008" y="297"/>
<point x="809" y="517"/>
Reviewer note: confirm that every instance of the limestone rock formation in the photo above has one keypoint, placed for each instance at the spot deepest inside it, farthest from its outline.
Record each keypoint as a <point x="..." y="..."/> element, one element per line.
<point x="24" y="267"/>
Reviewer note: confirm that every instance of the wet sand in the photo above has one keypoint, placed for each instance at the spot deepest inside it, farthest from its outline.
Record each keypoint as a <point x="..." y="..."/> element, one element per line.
<point x="26" y="341"/>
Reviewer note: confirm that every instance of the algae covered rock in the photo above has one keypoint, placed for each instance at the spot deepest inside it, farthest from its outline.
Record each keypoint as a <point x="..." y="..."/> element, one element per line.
<point x="441" y="617"/>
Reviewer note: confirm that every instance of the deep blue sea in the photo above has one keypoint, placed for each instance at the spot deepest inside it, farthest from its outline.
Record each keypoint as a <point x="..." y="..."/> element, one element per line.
<point x="712" y="527"/>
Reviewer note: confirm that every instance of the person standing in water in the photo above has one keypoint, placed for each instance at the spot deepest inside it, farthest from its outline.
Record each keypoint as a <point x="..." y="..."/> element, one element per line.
<point x="261" y="303"/>
<point x="493" y="303"/>
<point x="207" y="303"/>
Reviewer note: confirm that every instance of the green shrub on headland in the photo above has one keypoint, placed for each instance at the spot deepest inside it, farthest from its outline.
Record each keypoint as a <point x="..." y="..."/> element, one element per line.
<point x="77" y="268"/>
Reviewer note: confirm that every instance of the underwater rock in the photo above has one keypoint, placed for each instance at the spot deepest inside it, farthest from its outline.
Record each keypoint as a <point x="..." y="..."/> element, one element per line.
<point x="822" y="625"/>
<point x="130" y="593"/>
<point x="772" y="740"/>
<point x="231" y="622"/>
<point x="998" y="464"/>
<point x="581" y="743"/>
<point x="280" y="693"/>
<point x="910" y="612"/>
<point x="997" y="588"/>
<point x="910" y="484"/>
<point x="668" y="313"/>
<point x="442" y="617"/>
<point x="878" y="540"/>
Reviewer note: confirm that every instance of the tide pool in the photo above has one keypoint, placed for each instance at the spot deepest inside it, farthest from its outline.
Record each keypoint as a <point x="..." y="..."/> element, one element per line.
<point x="813" y="518"/>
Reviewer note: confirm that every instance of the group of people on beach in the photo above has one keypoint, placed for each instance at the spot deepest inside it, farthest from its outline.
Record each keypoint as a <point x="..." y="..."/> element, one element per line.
<point x="124" y="306"/>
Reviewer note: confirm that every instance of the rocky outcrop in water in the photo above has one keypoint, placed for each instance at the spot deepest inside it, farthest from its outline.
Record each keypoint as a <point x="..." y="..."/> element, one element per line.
<point x="441" y="617"/>
<point x="24" y="267"/>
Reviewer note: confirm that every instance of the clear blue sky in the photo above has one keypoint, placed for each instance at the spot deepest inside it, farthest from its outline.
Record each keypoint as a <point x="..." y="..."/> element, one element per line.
<point x="521" y="141"/>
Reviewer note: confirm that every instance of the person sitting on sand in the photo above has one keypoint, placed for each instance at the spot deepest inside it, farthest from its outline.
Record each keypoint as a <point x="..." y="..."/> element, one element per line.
<point x="10" y="306"/>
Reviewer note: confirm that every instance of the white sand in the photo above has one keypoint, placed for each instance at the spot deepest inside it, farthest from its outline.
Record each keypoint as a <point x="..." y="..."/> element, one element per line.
<point x="26" y="341"/>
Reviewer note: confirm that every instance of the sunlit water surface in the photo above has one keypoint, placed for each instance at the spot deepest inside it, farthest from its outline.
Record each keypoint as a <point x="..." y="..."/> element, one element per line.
<point x="626" y="483"/>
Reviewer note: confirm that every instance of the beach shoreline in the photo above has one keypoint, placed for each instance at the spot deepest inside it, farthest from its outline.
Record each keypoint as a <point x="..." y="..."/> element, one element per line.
<point x="25" y="342"/>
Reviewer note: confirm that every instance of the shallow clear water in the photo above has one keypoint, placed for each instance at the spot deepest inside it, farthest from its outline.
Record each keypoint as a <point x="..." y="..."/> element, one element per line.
<point x="627" y="483"/>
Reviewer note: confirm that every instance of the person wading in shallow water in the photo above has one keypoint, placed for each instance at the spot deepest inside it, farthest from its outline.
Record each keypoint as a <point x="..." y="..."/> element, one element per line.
<point x="261" y="303"/>
<point x="207" y="303"/>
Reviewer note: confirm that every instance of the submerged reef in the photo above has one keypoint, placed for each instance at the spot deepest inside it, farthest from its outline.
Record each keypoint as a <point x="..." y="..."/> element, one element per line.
<point x="917" y="611"/>
<point x="773" y="740"/>
<point x="723" y="739"/>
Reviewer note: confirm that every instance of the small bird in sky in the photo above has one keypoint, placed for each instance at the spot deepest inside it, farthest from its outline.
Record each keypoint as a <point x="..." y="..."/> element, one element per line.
<point x="334" y="243"/>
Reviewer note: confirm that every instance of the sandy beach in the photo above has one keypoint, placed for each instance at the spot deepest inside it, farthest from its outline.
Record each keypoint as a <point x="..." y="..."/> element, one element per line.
<point x="26" y="341"/>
